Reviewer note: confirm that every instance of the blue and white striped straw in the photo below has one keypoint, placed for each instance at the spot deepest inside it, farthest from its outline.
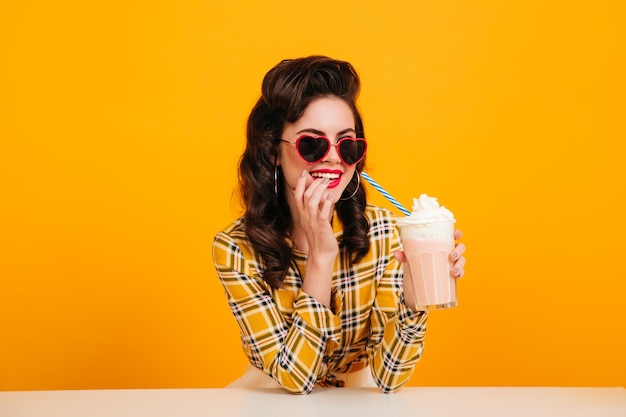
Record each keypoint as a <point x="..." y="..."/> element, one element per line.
<point x="385" y="193"/>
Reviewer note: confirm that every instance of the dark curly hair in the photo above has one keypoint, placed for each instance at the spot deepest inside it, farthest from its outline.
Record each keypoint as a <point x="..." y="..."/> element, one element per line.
<point x="287" y="90"/>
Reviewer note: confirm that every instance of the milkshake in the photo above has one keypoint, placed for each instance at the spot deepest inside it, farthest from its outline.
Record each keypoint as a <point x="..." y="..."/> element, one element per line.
<point x="428" y="238"/>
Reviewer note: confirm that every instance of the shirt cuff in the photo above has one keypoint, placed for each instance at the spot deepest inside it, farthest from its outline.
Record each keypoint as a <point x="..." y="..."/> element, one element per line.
<point x="411" y="325"/>
<point x="315" y="316"/>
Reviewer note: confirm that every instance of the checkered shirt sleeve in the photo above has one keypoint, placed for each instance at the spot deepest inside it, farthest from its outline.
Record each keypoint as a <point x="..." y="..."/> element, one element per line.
<point x="288" y="348"/>
<point x="397" y="333"/>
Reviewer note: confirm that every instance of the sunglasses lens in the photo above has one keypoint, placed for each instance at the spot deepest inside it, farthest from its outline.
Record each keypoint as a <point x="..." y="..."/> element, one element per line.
<point x="352" y="150"/>
<point x="312" y="149"/>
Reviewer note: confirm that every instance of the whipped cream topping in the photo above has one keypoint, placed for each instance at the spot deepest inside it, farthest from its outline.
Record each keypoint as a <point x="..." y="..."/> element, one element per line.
<point x="428" y="221"/>
<point x="427" y="210"/>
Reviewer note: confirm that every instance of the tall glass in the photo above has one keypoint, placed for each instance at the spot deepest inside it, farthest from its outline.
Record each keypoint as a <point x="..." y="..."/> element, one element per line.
<point x="427" y="247"/>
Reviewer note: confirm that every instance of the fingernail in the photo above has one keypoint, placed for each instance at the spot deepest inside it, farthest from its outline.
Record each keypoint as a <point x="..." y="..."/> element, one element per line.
<point x="303" y="173"/>
<point x="454" y="256"/>
<point x="455" y="271"/>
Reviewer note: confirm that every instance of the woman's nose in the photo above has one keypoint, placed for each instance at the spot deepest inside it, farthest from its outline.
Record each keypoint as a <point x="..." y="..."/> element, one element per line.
<point x="333" y="154"/>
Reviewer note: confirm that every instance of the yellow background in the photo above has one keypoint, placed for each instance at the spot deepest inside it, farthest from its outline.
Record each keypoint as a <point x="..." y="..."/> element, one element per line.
<point x="121" y="124"/>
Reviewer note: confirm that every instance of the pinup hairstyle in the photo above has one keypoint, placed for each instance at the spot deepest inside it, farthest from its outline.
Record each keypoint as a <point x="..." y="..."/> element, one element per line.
<point x="287" y="90"/>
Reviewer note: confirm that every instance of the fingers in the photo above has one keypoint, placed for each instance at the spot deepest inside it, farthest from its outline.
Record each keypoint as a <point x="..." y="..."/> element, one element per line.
<point x="400" y="256"/>
<point x="457" y="256"/>
<point x="300" y="189"/>
<point x="312" y="198"/>
<point x="313" y="195"/>
<point x="328" y="207"/>
<point x="458" y="269"/>
<point x="458" y="251"/>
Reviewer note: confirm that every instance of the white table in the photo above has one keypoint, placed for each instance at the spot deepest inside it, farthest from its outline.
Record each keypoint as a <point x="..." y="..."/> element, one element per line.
<point x="344" y="402"/>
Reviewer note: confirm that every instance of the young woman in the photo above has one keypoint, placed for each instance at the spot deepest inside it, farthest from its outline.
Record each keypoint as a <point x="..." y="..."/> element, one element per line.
<point x="314" y="275"/>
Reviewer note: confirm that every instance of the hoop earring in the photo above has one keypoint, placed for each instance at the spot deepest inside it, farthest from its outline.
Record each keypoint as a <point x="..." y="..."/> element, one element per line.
<point x="276" y="180"/>
<point x="358" y="184"/>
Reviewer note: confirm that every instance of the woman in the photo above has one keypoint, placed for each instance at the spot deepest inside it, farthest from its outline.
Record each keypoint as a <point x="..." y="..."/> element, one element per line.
<point x="312" y="273"/>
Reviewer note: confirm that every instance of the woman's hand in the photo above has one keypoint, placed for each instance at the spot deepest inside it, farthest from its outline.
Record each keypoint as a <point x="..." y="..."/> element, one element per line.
<point x="315" y="210"/>
<point x="312" y="227"/>
<point x="457" y="257"/>
<point x="407" y="280"/>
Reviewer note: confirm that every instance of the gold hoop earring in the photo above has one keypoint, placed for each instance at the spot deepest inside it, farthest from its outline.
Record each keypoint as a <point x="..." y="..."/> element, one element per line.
<point x="358" y="184"/>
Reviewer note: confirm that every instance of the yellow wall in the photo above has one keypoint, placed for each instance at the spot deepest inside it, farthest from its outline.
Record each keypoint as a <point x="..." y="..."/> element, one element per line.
<point x="121" y="124"/>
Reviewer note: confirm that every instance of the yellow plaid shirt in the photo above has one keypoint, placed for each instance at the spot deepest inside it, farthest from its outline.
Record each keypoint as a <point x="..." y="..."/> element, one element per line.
<point x="298" y="341"/>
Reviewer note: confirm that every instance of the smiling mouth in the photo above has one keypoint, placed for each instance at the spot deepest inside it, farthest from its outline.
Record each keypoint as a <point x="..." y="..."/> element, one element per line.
<point x="330" y="175"/>
<point x="334" y="178"/>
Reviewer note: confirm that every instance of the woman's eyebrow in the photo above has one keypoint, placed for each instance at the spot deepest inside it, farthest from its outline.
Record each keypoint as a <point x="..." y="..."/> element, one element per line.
<point x="320" y="133"/>
<point x="311" y="130"/>
<point x="348" y="130"/>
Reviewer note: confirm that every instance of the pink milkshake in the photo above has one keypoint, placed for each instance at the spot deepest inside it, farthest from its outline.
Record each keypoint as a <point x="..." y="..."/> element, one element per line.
<point x="428" y="238"/>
